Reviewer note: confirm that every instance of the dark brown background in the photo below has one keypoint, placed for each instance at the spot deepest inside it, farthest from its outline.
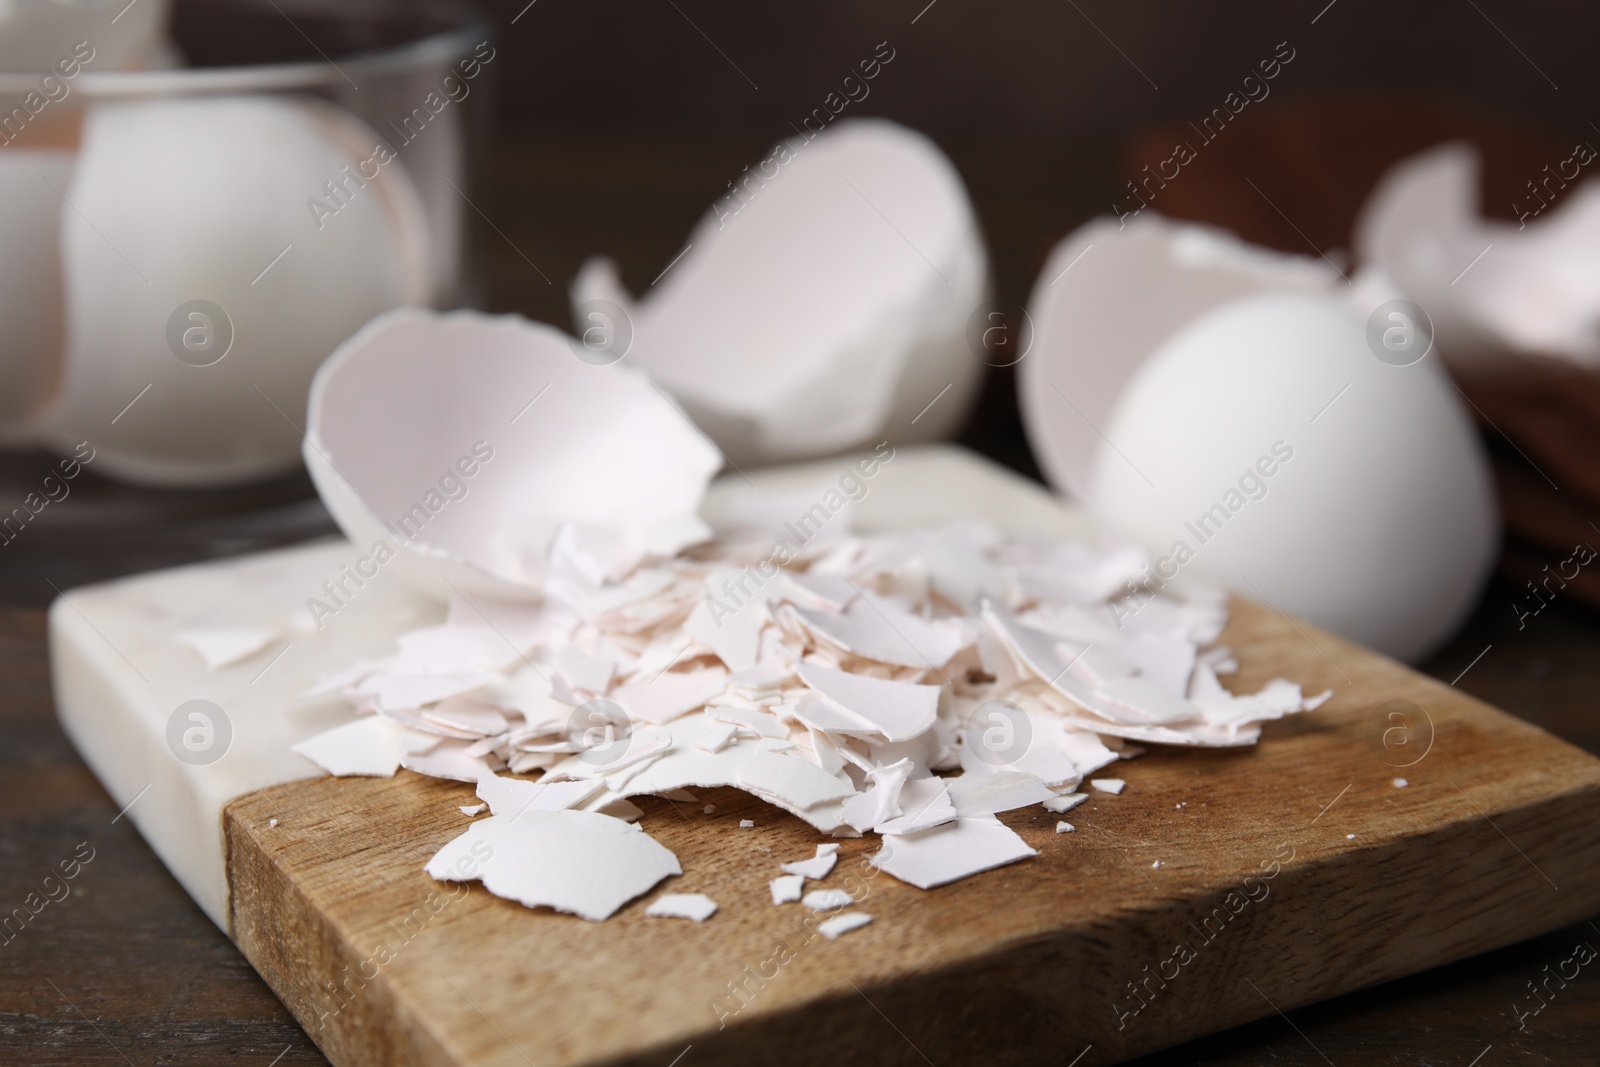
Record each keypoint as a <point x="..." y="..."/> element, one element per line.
<point x="616" y="124"/>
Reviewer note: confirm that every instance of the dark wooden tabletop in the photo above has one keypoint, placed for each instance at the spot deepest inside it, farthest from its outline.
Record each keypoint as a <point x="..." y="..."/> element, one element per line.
<point x="126" y="970"/>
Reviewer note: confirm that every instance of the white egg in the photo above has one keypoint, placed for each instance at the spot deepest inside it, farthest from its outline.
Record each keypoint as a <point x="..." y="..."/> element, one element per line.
<point x="462" y="443"/>
<point x="1265" y="448"/>
<point x="34" y="34"/>
<point x="822" y="304"/>
<point x="1109" y="294"/>
<point x="30" y="281"/>
<point x="217" y="251"/>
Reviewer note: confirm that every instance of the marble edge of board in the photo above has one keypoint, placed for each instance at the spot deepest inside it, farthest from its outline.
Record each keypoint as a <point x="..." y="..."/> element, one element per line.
<point x="118" y="675"/>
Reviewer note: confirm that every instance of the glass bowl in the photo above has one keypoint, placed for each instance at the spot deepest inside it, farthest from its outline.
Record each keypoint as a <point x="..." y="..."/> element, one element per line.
<point x="183" y="242"/>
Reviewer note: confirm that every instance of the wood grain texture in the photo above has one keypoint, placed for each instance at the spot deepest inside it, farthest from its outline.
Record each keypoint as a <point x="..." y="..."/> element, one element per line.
<point x="1488" y="844"/>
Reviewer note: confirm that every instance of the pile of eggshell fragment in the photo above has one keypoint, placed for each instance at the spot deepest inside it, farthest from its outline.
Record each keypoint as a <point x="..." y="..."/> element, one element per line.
<point x="848" y="689"/>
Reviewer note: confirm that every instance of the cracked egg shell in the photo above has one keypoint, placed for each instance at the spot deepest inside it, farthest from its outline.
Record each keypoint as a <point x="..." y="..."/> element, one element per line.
<point x="185" y="200"/>
<point x="404" y="410"/>
<point x="1172" y="357"/>
<point x="1490" y="286"/>
<point x="822" y="303"/>
<point x="1109" y="295"/>
<point x="1295" y="467"/>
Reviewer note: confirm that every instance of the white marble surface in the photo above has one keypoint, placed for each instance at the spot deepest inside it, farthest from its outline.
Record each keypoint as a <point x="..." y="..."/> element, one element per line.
<point x="119" y="674"/>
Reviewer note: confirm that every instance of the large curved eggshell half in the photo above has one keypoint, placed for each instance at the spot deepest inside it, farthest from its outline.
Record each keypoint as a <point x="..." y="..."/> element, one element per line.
<point x="212" y="199"/>
<point x="823" y="303"/>
<point x="1378" y="524"/>
<point x="1109" y="295"/>
<point x="30" y="281"/>
<point x="400" y="406"/>
<point x="1488" y="285"/>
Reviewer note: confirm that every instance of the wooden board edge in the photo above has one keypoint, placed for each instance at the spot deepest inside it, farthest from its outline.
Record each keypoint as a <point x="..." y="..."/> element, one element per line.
<point x="1465" y="888"/>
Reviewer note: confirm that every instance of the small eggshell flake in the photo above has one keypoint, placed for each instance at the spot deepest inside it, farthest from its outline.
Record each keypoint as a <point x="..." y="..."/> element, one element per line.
<point x="514" y="796"/>
<point x="1065" y="802"/>
<point x="895" y="711"/>
<point x="989" y="794"/>
<point x="450" y="760"/>
<point x="924" y="803"/>
<point x="371" y="746"/>
<point x="1108" y="785"/>
<point x="951" y="852"/>
<point x="827" y="899"/>
<point x="816" y="868"/>
<point x="223" y="646"/>
<point x="878" y="629"/>
<point x="696" y="906"/>
<point x="473" y="809"/>
<point x="574" y="861"/>
<point x="791" y="780"/>
<point x="407" y="443"/>
<point x="717" y="738"/>
<point x="839" y="925"/>
<point x="1065" y="828"/>
<point x="665" y="697"/>
<point x="787" y="888"/>
<point x="395" y="692"/>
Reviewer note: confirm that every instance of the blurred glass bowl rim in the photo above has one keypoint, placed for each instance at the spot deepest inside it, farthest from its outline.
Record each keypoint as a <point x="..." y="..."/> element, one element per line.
<point x="459" y="27"/>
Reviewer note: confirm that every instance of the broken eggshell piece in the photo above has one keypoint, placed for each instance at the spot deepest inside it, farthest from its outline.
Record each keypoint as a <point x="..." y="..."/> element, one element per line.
<point x="1109" y="295"/>
<point x="822" y="304"/>
<point x="199" y="284"/>
<point x="1237" y="422"/>
<point x="580" y="862"/>
<point x="1490" y="286"/>
<point x="434" y="435"/>
<point x="863" y="685"/>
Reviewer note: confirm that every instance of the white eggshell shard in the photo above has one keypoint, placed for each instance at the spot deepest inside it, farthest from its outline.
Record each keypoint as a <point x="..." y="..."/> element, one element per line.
<point x="821" y="305"/>
<point x="579" y="862"/>
<point x="1109" y="295"/>
<point x="463" y="442"/>
<point x="30" y="280"/>
<point x="1488" y="285"/>
<point x="1265" y="448"/>
<point x="186" y="200"/>
<point x="223" y="646"/>
<point x="948" y="853"/>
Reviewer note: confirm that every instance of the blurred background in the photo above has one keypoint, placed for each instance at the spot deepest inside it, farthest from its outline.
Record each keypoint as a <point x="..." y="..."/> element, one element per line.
<point x="608" y="127"/>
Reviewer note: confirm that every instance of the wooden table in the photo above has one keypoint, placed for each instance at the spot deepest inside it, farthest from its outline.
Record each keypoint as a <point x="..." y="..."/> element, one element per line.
<point x="126" y="970"/>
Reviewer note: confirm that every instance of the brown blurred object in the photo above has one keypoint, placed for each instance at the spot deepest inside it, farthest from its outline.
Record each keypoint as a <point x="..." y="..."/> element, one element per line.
<point x="1293" y="175"/>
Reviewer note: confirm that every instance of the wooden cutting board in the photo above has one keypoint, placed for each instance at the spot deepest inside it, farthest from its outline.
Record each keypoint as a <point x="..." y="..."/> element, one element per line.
<point x="1220" y="887"/>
